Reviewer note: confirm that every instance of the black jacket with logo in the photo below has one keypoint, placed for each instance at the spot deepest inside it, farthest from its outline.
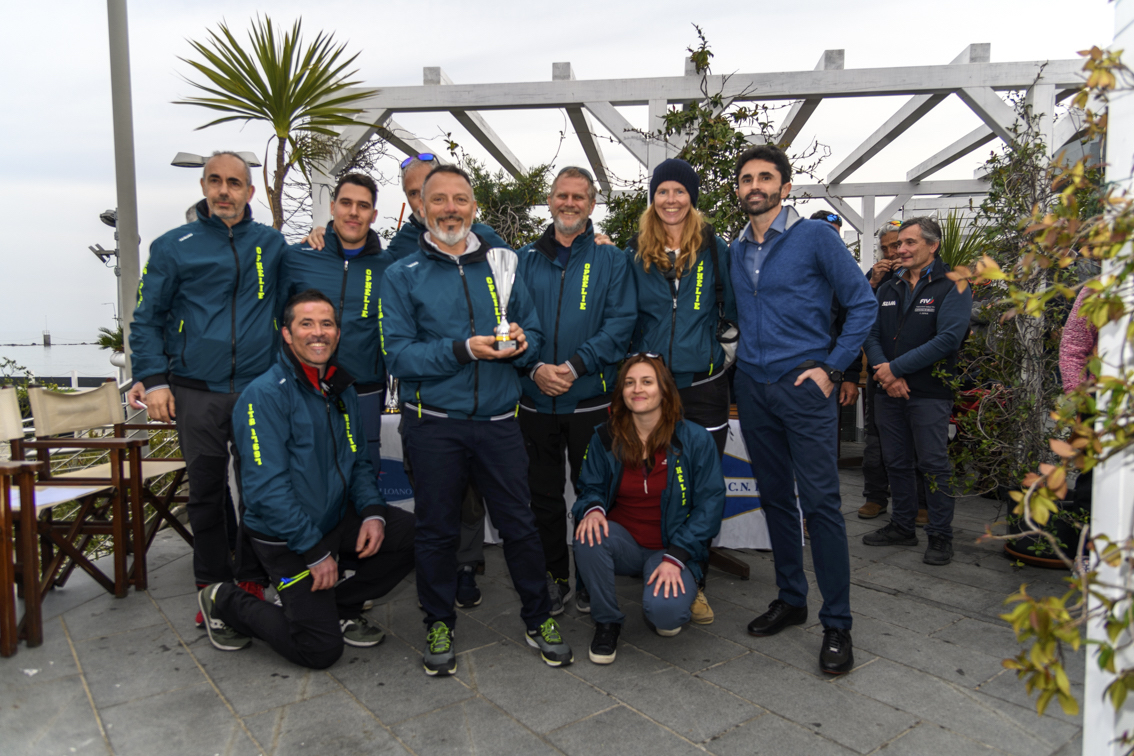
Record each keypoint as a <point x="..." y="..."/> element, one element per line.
<point x="917" y="329"/>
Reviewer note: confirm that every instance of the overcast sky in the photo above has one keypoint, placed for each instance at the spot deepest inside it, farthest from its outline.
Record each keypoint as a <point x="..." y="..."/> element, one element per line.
<point x="58" y="173"/>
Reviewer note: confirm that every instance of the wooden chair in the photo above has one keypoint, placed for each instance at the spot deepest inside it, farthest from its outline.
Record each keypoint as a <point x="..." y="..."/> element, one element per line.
<point x="22" y="473"/>
<point x="100" y="497"/>
<point x="152" y="469"/>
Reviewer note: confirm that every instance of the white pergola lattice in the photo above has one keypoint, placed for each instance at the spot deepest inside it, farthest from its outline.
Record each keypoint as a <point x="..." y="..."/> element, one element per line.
<point x="971" y="77"/>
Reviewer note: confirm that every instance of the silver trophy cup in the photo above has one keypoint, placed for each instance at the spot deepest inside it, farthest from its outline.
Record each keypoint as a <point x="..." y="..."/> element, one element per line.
<point x="503" y="263"/>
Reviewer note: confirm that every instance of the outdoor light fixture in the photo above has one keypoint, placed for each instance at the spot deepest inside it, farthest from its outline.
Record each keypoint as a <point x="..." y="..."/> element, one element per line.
<point x="189" y="160"/>
<point x="109" y="217"/>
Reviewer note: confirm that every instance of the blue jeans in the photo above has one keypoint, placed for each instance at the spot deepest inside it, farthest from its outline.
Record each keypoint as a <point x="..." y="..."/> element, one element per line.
<point x="790" y="432"/>
<point x="915" y="436"/>
<point x="620" y="554"/>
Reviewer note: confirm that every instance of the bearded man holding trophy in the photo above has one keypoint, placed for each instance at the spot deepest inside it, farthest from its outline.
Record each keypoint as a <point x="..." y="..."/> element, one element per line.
<point x="456" y="326"/>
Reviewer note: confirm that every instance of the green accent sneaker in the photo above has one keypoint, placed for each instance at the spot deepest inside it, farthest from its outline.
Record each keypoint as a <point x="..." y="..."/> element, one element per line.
<point x="360" y="633"/>
<point x="550" y="643"/>
<point x="221" y="635"/>
<point x="439" y="658"/>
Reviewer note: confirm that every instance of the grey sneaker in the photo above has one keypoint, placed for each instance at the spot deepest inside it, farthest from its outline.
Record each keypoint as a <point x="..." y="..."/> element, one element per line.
<point x="439" y="658"/>
<point x="221" y="635"/>
<point x="360" y="633"/>
<point x="555" y="596"/>
<point x="550" y="643"/>
<point x="583" y="601"/>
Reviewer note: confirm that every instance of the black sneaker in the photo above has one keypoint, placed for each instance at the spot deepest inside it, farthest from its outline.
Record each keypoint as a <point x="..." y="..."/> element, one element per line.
<point x="358" y="632"/>
<point x="468" y="595"/>
<point x="583" y="601"/>
<point x="837" y="656"/>
<point x="940" y="551"/>
<point x="223" y="637"/>
<point x="604" y="647"/>
<point x="439" y="658"/>
<point x="890" y="535"/>
<point x="555" y="596"/>
<point x="780" y="614"/>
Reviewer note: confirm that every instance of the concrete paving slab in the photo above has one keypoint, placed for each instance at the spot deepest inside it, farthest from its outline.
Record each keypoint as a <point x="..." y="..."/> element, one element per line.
<point x="48" y="661"/>
<point x="53" y="717"/>
<point x="899" y="609"/>
<point x="694" y="709"/>
<point x="472" y="726"/>
<point x="931" y="738"/>
<point x="620" y="731"/>
<point x="406" y="621"/>
<point x="394" y="686"/>
<point x="256" y="678"/>
<point x="332" y="724"/>
<point x="954" y="663"/>
<point x="982" y="718"/>
<point x="855" y="721"/>
<point x="1001" y="583"/>
<point x="106" y="615"/>
<point x="173" y="579"/>
<point x="963" y="598"/>
<point x="991" y="638"/>
<point x="191" y="721"/>
<point x="136" y="664"/>
<point x="692" y="649"/>
<point x="540" y="697"/>
<point x="771" y="735"/>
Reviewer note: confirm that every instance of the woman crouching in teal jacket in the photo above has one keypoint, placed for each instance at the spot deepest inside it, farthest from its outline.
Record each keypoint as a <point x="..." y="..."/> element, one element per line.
<point x="651" y="499"/>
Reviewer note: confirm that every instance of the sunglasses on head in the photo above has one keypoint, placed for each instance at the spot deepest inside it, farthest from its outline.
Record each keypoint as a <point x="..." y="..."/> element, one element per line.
<point x="424" y="157"/>
<point x="832" y="218"/>
<point x="651" y="355"/>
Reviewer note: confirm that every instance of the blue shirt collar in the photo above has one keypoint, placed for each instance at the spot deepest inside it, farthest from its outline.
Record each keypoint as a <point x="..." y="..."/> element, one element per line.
<point x="779" y="225"/>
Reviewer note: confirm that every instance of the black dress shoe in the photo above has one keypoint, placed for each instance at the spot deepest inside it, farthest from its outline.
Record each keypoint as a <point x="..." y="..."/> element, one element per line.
<point x="836" y="656"/>
<point x="780" y="614"/>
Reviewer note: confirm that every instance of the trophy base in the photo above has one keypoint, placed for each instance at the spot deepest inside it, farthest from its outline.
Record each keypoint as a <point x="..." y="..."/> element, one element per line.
<point x="502" y="345"/>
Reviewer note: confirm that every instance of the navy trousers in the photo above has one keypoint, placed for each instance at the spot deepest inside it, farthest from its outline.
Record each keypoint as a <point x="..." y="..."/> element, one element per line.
<point x="915" y="439"/>
<point x="446" y="453"/>
<point x="790" y="435"/>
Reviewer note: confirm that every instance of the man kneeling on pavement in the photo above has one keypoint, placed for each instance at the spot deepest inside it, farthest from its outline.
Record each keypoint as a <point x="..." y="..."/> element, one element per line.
<point x="312" y="508"/>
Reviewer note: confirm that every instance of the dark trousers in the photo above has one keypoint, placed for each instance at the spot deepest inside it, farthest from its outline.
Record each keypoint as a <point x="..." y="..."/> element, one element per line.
<point x="491" y="454"/>
<point x="915" y="438"/>
<point x="876" y="485"/>
<point x="470" y="552"/>
<point x="545" y="437"/>
<point x="707" y="405"/>
<point x="204" y="430"/>
<point x="370" y="408"/>
<point x="788" y="431"/>
<point x="306" y="630"/>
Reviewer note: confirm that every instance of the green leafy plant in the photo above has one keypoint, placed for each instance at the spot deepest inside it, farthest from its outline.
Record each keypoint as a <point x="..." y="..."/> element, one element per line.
<point x="961" y="243"/>
<point x="1091" y="425"/>
<point x="298" y="89"/>
<point x="112" y="340"/>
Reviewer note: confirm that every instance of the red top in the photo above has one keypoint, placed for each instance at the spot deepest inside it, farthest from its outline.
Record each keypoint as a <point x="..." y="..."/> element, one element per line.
<point x="637" y="505"/>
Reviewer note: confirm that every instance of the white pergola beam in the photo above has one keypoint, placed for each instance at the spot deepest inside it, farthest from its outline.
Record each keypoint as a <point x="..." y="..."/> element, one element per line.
<point x="620" y="129"/>
<point x="584" y="130"/>
<point x="891" y="209"/>
<point x="847" y="212"/>
<point x="991" y="108"/>
<point x="858" y="82"/>
<point x="352" y="138"/>
<point x="475" y="124"/>
<point x="403" y="140"/>
<point x="909" y="114"/>
<point x="890" y="188"/>
<point x="967" y="144"/>
<point x="801" y="110"/>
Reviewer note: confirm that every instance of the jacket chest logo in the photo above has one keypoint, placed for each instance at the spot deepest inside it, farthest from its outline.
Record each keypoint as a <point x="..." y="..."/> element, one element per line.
<point x="700" y="283"/>
<point x="586" y="283"/>
<point x="890" y="303"/>
<point x="260" y="273"/>
<point x="367" y="287"/>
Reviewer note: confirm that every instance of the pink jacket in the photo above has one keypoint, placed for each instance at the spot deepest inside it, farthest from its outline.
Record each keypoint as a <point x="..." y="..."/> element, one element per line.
<point x="1080" y="339"/>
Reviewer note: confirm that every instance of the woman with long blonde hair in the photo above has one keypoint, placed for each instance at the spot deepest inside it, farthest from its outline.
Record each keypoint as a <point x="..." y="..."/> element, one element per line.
<point x="651" y="496"/>
<point x="679" y="263"/>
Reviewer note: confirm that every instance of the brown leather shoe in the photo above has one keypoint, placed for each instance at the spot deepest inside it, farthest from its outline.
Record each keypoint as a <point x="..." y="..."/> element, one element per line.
<point x="922" y="518"/>
<point x="870" y="510"/>
<point x="702" y="613"/>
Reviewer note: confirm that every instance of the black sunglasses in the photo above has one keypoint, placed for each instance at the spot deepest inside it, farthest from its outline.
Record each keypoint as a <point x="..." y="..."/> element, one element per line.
<point x="424" y="157"/>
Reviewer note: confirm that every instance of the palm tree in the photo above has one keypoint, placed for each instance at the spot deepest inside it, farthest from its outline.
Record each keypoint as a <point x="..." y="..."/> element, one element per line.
<point x="300" y="90"/>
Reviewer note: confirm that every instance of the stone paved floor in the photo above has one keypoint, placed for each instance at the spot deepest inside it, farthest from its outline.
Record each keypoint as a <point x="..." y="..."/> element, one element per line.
<point x="134" y="676"/>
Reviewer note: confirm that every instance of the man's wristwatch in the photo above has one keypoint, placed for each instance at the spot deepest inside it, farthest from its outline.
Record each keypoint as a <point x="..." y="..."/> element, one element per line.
<point x="836" y="376"/>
